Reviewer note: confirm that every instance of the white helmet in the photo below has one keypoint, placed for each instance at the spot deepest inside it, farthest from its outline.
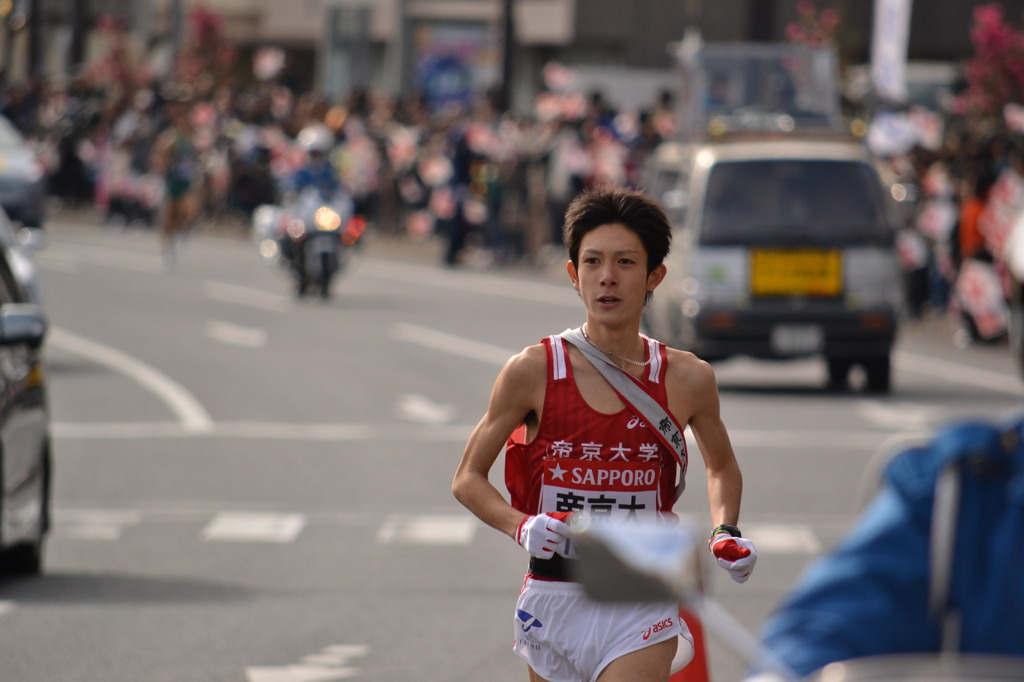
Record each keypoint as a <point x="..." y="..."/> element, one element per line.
<point x="316" y="138"/>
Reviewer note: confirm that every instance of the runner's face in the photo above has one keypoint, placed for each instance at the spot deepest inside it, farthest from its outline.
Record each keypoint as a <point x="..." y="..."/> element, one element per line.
<point x="612" y="276"/>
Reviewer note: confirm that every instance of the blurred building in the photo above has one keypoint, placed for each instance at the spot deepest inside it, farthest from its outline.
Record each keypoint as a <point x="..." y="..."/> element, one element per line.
<point x="447" y="47"/>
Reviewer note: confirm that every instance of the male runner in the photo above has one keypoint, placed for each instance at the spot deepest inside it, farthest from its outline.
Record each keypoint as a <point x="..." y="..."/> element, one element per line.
<point x="574" y="445"/>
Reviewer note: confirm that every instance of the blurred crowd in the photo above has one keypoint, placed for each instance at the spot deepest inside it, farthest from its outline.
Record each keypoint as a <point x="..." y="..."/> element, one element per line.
<point x="467" y="174"/>
<point x="963" y="202"/>
<point x="483" y="181"/>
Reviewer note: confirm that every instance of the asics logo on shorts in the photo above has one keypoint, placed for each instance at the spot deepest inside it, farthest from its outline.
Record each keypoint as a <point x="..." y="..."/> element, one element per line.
<point x="658" y="627"/>
<point x="529" y="621"/>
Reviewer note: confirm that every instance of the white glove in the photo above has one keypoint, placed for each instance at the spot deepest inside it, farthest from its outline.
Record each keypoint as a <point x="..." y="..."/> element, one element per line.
<point x="736" y="555"/>
<point x="544" y="534"/>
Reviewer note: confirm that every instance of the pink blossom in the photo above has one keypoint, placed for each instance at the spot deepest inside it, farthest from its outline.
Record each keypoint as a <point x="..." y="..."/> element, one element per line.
<point x="805" y="8"/>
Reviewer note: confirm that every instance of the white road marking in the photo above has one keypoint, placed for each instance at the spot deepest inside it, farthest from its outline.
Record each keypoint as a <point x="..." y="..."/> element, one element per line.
<point x="236" y="335"/>
<point x="802" y="439"/>
<point x="956" y="372"/>
<point x="6" y="606"/>
<point x="423" y="410"/>
<point x="193" y="416"/>
<point x="121" y="259"/>
<point x="449" y="343"/>
<point x="898" y="416"/>
<point x="256" y="298"/>
<point x="254" y="527"/>
<point x="950" y="371"/>
<point x="65" y="263"/>
<point x="778" y="538"/>
<point x="750" y="439"/>
<point x="332" y="663"/>
<point x="427" y="530"/>
<point x="246" y="430"/>
<point x="299" y="673"/>
<point x="94" y="524"/>
<point x="521" y="289"/>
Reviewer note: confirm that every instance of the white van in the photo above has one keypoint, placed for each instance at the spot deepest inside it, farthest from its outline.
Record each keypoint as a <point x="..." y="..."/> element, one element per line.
<point x="782" y="248"/>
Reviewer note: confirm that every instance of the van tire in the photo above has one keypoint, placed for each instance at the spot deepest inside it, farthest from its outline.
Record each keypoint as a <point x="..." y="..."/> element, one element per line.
<point x="838" y="374"/>
<point x="879" y="375"/>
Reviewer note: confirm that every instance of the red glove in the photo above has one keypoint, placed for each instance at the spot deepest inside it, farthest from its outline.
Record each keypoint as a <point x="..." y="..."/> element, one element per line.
<point x="544" y="534"/>
<point x="736" y="555"/>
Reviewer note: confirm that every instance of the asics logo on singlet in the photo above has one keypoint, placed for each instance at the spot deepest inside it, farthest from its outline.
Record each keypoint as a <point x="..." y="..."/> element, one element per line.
<point x="529" y="621"/>
<point x="657" y="627"/>
<point x="634" y="423"/>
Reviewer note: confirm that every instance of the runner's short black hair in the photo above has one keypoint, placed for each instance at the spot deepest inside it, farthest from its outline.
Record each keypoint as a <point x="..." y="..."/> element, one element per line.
<point x="630" y="208"/>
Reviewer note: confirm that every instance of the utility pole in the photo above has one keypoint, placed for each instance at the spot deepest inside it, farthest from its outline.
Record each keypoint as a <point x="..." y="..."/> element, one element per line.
<point x="400" y="56"/>
<point x="142" y="22"/>
<point x="761" y="26"/>
<point x="504" y="102"/>
<point x="34" y="14"/>
<point x="177" y="24"/>
<point x="80" y="12"/>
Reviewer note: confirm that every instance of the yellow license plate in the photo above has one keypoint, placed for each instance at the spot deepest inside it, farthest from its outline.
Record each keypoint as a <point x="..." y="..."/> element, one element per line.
<point x="796" y="272"/>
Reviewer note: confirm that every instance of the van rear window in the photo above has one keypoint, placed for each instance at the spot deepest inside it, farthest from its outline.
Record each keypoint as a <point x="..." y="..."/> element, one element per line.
<point x="794" y="202"/>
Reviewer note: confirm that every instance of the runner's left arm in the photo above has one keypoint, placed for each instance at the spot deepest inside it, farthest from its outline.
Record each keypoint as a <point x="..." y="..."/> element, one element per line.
<point x="699" y="393"/>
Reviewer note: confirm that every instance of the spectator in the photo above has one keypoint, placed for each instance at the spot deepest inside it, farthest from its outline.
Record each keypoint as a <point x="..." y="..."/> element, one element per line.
<point x="932" y="565"/>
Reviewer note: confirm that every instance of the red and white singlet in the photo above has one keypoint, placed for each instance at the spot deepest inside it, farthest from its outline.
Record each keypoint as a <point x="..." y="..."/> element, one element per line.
<point x="582" y="459"/>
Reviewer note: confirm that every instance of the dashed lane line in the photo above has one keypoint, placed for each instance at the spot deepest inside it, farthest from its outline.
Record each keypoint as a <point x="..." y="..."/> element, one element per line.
<point x="428" y="530"/>
<point x="236" y="335"/>
<point x="952" y="372"/>
<point x="119" y="259"/>
<point x="956" y="372"/>
<point x="254" y="527"/>
<point x="420" y="528"/>
<point x="488" y="285"/>
<point x="248" y="296"/>
<point x="449" y="343"/>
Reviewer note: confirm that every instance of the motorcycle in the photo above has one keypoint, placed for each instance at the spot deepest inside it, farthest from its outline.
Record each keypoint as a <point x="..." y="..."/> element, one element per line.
<point x="313" y="237"/>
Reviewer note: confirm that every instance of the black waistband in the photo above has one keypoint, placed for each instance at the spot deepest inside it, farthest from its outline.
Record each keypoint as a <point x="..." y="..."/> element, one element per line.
<point x="555" y="568"/>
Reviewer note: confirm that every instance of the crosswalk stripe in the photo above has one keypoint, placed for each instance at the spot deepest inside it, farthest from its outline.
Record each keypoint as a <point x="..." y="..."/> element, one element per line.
<point x="779" y="538"/>
<point x="427" y="530"/>
<point x="106" y="525"/>
<point x="254" y="527"/>
<point x="438" y="529"/>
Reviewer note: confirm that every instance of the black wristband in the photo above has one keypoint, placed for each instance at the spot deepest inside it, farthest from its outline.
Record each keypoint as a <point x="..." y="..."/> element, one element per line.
<point x="726" y="528"/>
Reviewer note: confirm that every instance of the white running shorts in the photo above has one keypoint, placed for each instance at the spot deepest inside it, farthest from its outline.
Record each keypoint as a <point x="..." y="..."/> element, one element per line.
<point x="567" y="637"/>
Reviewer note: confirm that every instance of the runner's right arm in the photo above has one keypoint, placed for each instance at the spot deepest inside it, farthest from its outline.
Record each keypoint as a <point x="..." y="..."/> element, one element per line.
<point x="517" y="396"/>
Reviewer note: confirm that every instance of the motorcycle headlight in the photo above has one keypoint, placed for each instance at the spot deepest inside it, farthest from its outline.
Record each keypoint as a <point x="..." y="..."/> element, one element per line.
<point x="327" y="219"/>
<point x="295" y="229"/>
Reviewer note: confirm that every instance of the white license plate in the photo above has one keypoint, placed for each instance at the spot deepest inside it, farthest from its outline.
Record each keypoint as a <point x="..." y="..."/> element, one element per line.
<point x="797" y="339"/>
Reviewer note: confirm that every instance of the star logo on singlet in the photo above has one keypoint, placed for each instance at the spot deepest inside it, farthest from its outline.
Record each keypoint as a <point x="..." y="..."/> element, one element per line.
<point x="558" y="472"/>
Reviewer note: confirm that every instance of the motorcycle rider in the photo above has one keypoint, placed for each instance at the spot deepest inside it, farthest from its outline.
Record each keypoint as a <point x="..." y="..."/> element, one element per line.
<point x="318" y="172"/>
<point x="317" y="201"/>
<point x="933" y="564"/>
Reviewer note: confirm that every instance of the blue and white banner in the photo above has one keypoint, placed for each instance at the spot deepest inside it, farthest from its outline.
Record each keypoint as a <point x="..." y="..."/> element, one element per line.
<point x="890" y="36"/>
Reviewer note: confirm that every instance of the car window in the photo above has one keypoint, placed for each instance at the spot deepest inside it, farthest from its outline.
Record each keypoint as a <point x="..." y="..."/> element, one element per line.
<point x="794" y="202"/>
